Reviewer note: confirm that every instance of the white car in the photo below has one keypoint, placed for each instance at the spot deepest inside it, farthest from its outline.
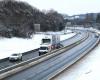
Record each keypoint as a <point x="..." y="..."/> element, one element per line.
<point x="15" y="56"/>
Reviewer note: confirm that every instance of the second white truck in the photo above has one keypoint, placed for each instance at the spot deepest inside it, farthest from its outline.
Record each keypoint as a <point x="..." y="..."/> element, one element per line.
<point x="49" y="43"/>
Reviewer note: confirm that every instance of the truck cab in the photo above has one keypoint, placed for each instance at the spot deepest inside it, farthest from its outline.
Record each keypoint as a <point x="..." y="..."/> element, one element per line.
<point x="44" y="48"/>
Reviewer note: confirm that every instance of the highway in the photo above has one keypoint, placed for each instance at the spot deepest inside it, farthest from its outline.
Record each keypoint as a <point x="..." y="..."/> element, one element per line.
<point x="34" y="53"/>
<point x="48" y="68"/>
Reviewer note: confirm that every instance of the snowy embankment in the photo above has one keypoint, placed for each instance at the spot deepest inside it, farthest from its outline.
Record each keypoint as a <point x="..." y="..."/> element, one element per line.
<point x="19" y="45"/>
<point x="87" y="68"/>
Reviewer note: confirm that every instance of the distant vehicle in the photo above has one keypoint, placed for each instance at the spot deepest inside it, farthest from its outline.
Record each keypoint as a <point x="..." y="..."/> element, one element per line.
<point x="48" y="43"/>
<point x="15" y="56"/>
<point x="96" y="35"/>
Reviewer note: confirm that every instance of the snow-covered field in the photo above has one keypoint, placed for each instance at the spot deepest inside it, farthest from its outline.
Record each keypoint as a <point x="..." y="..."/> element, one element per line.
<point x="88" y="68"/>
<point x="19" y="45"/>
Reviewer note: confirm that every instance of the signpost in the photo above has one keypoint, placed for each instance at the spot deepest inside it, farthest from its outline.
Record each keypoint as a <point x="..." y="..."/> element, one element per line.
<point x="37" y="27"/>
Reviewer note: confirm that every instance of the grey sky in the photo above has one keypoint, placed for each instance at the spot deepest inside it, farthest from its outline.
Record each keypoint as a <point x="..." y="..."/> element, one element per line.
<point x="69" y="7"/>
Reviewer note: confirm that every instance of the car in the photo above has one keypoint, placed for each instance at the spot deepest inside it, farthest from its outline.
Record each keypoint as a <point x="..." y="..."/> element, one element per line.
<point x="15" y="57"/>
<point x="97" y="35"/>
<point x="59" y="45"/>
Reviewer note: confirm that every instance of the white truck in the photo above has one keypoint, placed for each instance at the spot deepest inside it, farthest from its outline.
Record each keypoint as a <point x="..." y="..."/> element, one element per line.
<point x="48" y="43"/>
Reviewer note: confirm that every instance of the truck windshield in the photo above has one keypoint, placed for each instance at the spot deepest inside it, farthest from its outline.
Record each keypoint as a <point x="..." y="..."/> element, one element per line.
<point x="45" y="40"/>
<point x="43" y="48"/>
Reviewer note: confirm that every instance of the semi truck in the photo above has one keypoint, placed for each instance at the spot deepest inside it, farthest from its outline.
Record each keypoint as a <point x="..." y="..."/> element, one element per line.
<point x="49" y="43"/>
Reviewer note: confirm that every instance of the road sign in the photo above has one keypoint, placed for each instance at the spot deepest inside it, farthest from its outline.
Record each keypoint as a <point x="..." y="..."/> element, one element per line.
<point x="37" y="27"/>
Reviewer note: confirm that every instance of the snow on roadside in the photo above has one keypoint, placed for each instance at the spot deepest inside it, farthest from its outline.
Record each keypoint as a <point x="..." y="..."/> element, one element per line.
<point x="19" y="45"/>
<point x="88" y="68"/>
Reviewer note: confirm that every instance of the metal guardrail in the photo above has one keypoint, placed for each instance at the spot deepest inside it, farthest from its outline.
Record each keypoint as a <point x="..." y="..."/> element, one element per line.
<point x="25" y="53"/>
<point x="28" y="52"/>
<point x="75" y="60"/>
<point x="26" y="64"/>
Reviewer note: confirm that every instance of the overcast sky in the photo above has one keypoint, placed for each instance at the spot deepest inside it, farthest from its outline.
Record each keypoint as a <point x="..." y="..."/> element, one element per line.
<point x="69" y="7"/>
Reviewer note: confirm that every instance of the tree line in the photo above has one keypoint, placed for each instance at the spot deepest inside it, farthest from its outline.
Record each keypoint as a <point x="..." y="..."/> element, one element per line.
<point x="17" y="19"/>
<point x="87" y="20"/>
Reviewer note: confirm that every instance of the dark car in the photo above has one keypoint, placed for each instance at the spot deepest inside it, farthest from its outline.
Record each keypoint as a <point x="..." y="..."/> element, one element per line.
<point x="59" y="45"/>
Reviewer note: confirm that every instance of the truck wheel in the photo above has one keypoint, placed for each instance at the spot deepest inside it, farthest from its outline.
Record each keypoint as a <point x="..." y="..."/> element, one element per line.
<point x="40" y="54"/>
